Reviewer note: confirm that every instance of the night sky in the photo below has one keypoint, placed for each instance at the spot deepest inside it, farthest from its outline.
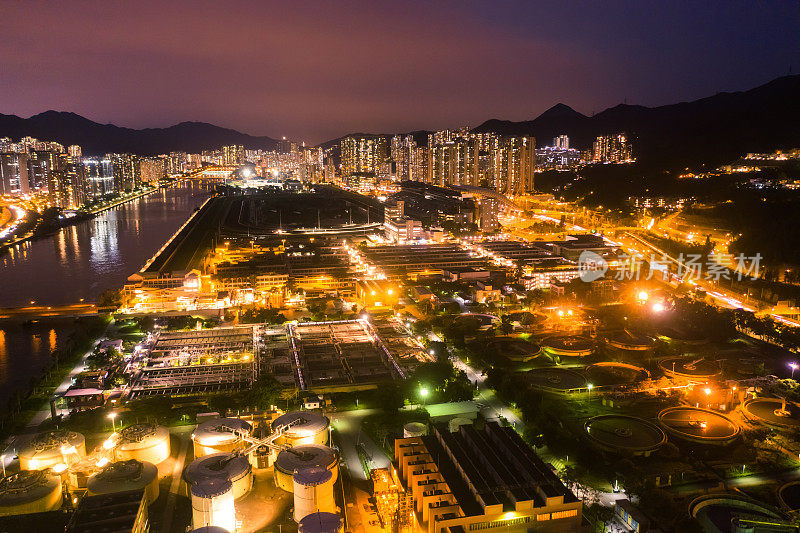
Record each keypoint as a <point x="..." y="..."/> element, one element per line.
<point x="317" y="70"/>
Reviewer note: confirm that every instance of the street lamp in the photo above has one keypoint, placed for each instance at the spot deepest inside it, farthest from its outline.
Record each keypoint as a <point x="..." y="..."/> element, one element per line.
<point x="590" y="387"/>
<point x="3" y="460"/>
<point x="113" y="417"/>
<point x="793" y="366"/>
<point x="423" y="393"/>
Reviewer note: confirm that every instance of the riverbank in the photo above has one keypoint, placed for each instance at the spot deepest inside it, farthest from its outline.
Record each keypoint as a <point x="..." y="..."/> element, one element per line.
<point x="35" y="232"/>
<point x="24" y="412"/>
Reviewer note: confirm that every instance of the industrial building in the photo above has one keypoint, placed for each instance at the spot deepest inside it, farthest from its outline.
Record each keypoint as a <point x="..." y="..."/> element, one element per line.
<point x="197" y="361"/>
<point x="396" y="260"/>
<point x="475" y="479"/>
<point x="343" y="355"/>
<point x="121" y="511"/>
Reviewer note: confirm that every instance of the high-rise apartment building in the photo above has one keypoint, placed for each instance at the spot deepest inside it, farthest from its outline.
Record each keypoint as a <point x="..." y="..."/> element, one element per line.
<point x="74" y="151"/>
<point x="561" y="142"/>
<point x="152" y="169"/>
<point x="41" y="165"/>
<point x="68" y="190"/>
<point x="362" y="155"/>
<point x="453" y="162"/>
<point x="14" y="173"/>
<point x="612" y="149"/>
<point x="127" y="175"/>
<point x="515" y="163"/>
<point x="99" y="176"/>
<point x="233" y="155"/>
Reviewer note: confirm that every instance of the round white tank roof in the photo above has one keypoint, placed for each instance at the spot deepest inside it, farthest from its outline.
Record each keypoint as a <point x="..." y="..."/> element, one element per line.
<point x="303" y="423"/>
<point x="311" y="477"/>
<point x="140" y="436"/>
<point x="26" y="486"/>
<point x="54" y="439"/>
<point x="305" y="456"/>
<point x="221" y="431"/>
<point x="226" y="465"/>
<point x="321" y="522"/>
<point x="211" y="487"/>
<point x="122" y="476"/>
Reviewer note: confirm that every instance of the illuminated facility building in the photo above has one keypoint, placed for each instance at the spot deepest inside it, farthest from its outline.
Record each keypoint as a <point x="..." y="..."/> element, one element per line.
<point x="394" y="260"/>
<point x="490" y="479"/>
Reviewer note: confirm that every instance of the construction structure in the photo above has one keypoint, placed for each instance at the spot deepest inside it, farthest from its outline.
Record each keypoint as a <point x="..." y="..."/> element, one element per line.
<point x="474" y="479"/>
<point x="340" y="355"/>
<point x="395" y="506"/>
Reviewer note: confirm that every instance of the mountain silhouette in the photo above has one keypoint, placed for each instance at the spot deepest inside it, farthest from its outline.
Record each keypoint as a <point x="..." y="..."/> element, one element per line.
<point x="97" y="139"/>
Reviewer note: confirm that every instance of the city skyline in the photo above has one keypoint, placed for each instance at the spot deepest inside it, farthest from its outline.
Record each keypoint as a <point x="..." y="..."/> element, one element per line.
<point x="305" y="73"/>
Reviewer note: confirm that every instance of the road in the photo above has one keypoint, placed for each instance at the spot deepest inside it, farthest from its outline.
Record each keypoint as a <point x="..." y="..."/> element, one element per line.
<point x="722" y="296"/>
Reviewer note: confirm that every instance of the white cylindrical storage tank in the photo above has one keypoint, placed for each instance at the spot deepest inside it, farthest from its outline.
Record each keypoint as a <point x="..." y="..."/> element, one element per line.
<point x="236" y="468"/>
<point x="313" y="492"/>
<point x="220" y="435"/>
<point x="52" y="447"/>
<point x="302" y="427"/>
<point x="457" y="422"/>
<point x="212" y="503"/>
<point x="29" y="491"/>
<point x="126" y="475"/>
<point x="321" y="523"/>
<point x="301" y="457"/>
<point x="415" y="429"/>
<point x="143" y="442"/>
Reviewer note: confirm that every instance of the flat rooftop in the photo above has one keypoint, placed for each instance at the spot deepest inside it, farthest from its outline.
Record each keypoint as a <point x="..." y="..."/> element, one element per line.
<point x="492" y="466"/>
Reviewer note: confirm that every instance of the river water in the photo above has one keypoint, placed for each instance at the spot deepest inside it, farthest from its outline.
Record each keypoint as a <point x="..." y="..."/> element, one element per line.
<point x="80" y="261"/>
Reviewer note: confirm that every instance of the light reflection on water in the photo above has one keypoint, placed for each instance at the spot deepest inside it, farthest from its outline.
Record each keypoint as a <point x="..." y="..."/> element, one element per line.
<point x="79" y="261"/>
<point x="83" y="260"/>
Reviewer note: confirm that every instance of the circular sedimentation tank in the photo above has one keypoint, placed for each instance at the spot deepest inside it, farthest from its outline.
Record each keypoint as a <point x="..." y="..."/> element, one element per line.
<point x="321" y="523"/>
<point x="773" y="412"/>
<point x="220" y="435"/>
<point x="29" y="491"/>
<point x="143" y="442"/>
<point x="415" y="429"/>
<point x="301" y="457"/>
<point x="52" y="447"/>
<point x="742" y="366"/>
<point x="313" y="492"/>
<point x="789" y="495"/>
<point x="627" y="434"/>
<point x="515" y="348"/>
<point x="122" y="476"/>
<point x="569" y="345"/>
<point x="720" y="512"/>
<point x="483" y="318"/>
<point x="690" y="369"/>
<point x="558" y="379"/>
<point x="230" y="466"/>
<point x="302" y="427"/>
<point x="698" y="425"/>
<point x="613" y="373"/>
<point x="212" y="503"/>
<point x="629" y="340"/>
